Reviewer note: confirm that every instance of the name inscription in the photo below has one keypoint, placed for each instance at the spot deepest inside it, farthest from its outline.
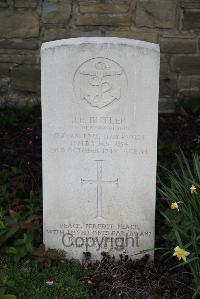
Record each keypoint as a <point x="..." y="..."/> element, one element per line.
<point x="102" y="135"/>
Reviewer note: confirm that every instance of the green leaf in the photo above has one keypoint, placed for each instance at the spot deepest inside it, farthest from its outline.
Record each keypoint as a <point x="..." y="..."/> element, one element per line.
<point x="16" y="259"/>
<point x="2" y="291"/>
<point x="22" y="251"/>
<point x="10" y="283"/>
<point x="3" y="278"/>
<point x="11" y="250"/>
<point x="29" y="247"/>
<point x="19" y="242"/>
<point x="196" y="293"/>
<point x="2" y="225"/>
<point x="25" y="238"/>
<point x="8" y="296"/>
<point x="185" y="263"/>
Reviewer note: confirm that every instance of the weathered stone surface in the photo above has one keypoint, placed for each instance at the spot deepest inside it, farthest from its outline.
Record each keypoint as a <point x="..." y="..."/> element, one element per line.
<point x="186" y="64"/>
<point x="4" y="69"/>
<point x="156" y="14"/>
<point x="55" y="33"/>
<point x="139" y="35"/>
<point x="93" y="6"/>
<point x="59" y="33"/>
<point x="26" y="3"/>
<point x="164" y="65"/>
<point x="111" y="20"/>
<point x="20" y="99"/>
<point x="166" y="105"/>
<point x="178" y="45"/>
<point x="168" y="86"/>
<point x="185" y="82"/>
<point x="16" y="51"/>
<point x="191" y="19"/>
<point x="20" y="24"/>
<point x="190" y="3"/>
<point x="135" y="19"/>
<point x="31" y="44"/>
<point x="20" y="58"/>
<point x="26" y="78"/>
<point x="4" y="83"/>
<point x="189" y="93"/>
<point x="189" y="86"/>
<point x="4" y="3"/>
<point x="91" y="33"/>
<point x="56" y="12"/>
<point x="99" y="103"/>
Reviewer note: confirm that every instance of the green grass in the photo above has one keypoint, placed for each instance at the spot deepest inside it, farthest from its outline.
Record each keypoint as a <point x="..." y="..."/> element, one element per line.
<point x="184" y="220"/>
<point x="30" y="281"/>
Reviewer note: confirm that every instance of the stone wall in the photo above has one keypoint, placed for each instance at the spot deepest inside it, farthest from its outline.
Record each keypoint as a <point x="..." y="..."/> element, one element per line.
<point x="25" y="24"/>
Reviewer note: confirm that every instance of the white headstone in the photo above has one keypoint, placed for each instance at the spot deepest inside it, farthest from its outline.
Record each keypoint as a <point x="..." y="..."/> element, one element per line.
<point x="99" y="118"/>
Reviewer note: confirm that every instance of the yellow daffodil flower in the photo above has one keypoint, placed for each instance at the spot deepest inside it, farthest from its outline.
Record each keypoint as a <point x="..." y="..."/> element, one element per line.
<point x="193" y="189"/>
<point x="180" y="253"/>
<point x="174" y="206"/>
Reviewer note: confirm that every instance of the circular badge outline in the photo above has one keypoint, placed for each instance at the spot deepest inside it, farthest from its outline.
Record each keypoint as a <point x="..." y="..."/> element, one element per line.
<point x="73" y="81"/>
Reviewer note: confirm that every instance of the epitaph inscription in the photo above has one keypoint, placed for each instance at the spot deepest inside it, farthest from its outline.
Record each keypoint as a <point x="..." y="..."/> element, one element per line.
<point x="99" y="182"/>
<point x="99" y="82"/>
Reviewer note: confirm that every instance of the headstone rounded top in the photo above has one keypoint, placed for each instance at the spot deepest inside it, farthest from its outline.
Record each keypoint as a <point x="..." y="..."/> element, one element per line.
<point x="100" y="40"/>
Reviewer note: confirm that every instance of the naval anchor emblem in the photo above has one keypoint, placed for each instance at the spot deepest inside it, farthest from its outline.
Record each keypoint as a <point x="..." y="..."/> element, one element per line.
<point x="99" y="82"/>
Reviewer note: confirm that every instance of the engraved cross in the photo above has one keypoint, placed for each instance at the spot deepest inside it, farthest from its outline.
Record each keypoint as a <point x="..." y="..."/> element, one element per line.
<point x="99" y="182"/>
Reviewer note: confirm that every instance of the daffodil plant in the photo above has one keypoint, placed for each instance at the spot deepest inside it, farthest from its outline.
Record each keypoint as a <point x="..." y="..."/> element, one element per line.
<point x="180" y="253"/>
<point x="183" y="214"/>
